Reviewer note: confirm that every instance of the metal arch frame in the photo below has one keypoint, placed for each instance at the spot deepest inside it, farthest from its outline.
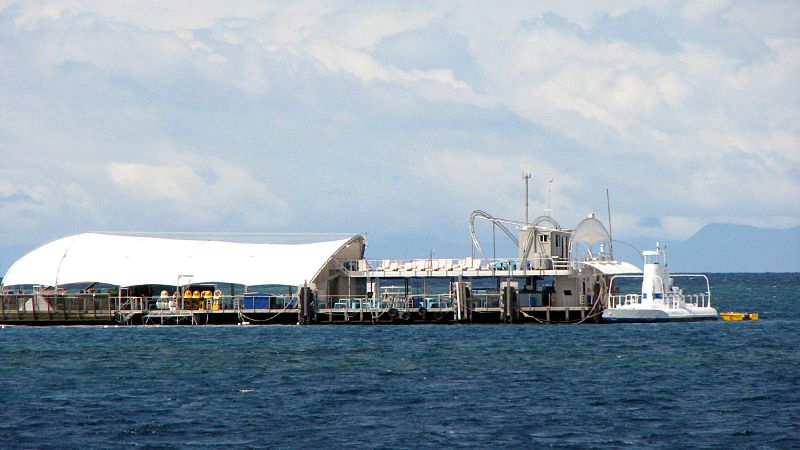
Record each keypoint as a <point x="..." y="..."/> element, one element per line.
<point x="479" y="214"/>
<point x="541" y="219"/>
<point x="501" y="223"/>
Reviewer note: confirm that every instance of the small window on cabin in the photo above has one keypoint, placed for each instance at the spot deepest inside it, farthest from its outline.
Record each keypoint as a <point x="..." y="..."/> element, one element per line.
<point x="543" y="238"/>
<point x="567" y="291"/>
<point x="558" y="241"/>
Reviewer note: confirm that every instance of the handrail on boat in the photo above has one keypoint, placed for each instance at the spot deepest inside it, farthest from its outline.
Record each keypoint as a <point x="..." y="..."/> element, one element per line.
<point x="700" y="299"/>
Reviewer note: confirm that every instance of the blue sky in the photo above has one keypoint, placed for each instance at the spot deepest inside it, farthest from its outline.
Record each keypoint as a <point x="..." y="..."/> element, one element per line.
<point x="395" y="118"/>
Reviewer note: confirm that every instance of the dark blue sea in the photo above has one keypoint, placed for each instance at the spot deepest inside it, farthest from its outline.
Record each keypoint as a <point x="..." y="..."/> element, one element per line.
<point x="706" y="385"/>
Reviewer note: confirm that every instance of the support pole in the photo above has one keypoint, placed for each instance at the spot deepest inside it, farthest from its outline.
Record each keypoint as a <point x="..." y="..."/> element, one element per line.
<point x="526" y="177"/>
<point x="610" y="238"/>
<point x="460" y="300"/>
<point x="304" y="313"/>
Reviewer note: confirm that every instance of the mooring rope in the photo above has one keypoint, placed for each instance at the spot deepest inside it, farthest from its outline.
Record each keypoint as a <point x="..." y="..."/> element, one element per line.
<point x="285" y="307"/>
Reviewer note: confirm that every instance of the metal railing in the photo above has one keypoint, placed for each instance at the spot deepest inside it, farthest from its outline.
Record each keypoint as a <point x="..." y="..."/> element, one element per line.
<point x="421" y="267"/>
<point x="673" y="300"/>
<point x="485" y="300"/>
<point x="670" y="300"/>
<point x="38" y="306"/>
<point x="56" y="306"/>
<point x="350" y="303"/>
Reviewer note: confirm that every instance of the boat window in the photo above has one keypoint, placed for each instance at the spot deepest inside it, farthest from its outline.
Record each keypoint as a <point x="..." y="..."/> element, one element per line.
<point x="542" y="238"/>
<point x="568" y="292"/>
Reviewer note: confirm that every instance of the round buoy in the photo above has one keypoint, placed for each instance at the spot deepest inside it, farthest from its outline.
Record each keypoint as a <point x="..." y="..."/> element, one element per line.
<point x="438" y="315"/>
<point x="422" y="311"/>
<point x="393" y="312"/>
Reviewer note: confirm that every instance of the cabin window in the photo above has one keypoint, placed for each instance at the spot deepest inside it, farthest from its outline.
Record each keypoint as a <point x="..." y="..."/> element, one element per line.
<point x="558" y="241"/>
<point x="567" y="291"/>
<point x="543" y="238"/>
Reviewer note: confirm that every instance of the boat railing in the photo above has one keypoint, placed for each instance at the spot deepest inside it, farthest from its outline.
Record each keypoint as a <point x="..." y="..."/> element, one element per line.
<point x="616" y="301"/>
<point x="670" y="300"/>
<point x="700" y="300"/>
<point x="673" y="300"/>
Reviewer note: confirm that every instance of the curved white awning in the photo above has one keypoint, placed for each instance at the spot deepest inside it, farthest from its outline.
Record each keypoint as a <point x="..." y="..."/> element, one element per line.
<point x="613" y="267"/>
<point x="131" y="260"/>
<point x="590" y="231"/>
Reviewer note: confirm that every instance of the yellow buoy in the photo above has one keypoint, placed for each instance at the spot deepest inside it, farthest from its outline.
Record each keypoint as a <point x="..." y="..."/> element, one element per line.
<point x="731" y="316"/>
<point x="735" y="316"/>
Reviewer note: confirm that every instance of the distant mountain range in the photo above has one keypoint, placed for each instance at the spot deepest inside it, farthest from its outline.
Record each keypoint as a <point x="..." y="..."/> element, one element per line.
<point x="720" y="247"/>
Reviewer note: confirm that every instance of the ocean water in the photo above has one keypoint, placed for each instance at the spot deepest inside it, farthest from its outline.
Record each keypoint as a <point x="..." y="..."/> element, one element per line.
<point x="708" y="384"/>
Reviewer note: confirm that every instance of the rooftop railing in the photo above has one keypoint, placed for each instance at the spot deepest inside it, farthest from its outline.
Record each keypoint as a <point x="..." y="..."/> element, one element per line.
<point x="421" y="267"/>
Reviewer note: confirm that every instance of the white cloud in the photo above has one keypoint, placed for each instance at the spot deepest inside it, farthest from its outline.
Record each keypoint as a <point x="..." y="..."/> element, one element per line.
<point x="286" y="106"/>
<point x="205" y="191"/>
<point x="156" y="182"/>
<point x="703" y="9"/>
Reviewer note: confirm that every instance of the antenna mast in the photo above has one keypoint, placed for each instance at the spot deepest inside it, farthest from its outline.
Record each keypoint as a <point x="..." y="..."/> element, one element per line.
<point x="611" y="240"/>
<point x="526" y="177"/>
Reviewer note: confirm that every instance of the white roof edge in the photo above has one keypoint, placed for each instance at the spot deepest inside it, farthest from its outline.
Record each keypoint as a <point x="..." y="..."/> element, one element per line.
<point x="125" y="260"/>
<point x="614" y="267"/>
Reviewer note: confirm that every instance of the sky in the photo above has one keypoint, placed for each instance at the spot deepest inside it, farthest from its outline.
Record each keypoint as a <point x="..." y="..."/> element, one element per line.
<point x="396" y="119"/>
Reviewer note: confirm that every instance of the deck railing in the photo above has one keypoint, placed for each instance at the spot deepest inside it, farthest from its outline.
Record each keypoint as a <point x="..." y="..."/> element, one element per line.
<point x="486" y="300"/>
<point x="671" y="301"/>
<point x="56" y="306"/>
<point x="349" y="303"/>
<point x="422" y="267"/>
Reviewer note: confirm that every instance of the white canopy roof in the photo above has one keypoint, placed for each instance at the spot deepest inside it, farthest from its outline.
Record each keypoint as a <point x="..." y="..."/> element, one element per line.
<point x="613" y="267"/>
<point x="130" y="261"/>
<point x="590" y="231"/>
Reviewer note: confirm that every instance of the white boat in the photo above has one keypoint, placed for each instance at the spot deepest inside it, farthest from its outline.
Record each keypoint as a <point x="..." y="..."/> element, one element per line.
<point x="660" y="300"/>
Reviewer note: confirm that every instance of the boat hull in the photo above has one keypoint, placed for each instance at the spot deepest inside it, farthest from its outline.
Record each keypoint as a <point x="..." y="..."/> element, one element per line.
<point x="646" y="315"/>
